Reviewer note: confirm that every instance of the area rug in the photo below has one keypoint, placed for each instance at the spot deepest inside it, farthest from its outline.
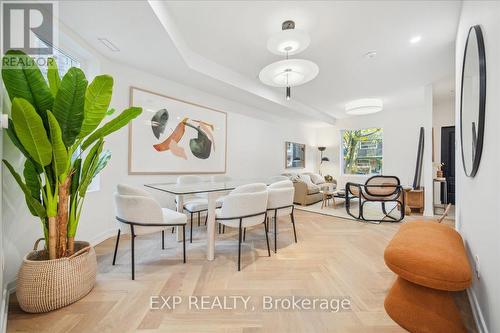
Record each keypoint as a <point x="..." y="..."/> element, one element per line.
<point x="372" y="210"/>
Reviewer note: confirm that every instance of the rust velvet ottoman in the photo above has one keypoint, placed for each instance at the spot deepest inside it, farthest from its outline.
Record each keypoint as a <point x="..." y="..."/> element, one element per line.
<point x="431" y="263"/>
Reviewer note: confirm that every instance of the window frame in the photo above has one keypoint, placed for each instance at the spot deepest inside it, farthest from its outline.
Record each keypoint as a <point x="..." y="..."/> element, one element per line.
<point x="341" y="153"/>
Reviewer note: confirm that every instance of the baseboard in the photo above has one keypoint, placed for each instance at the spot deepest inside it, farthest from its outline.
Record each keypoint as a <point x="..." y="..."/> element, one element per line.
<point x="476" y="312"/>
<point x="3" y="310"/>
<point x="4" y="307"/>
<point x="103" y="236"/>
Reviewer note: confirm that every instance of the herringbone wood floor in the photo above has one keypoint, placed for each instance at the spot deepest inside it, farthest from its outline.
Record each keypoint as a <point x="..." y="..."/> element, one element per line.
<point x="334" y="258"/>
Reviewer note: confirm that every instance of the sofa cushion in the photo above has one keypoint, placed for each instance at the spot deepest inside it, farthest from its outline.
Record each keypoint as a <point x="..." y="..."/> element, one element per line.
<point x="317" y="179"/>
<point x="429" y="254"/>
<point x="311" y="187"/>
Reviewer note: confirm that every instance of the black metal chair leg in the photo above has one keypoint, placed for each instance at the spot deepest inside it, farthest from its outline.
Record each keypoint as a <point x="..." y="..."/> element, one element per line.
<point x="132" y="237"/>
<point x="223" y="229"/>
<point x="384" y="210"/>
<point x="206" y="218"/>
<point x="293" y="224"/>
<point x="173" y="228"/>
<point x="163" y="239"/>
<point x="244" y="234"/>
<point x="239" y="247"/>
<point x="184" y="242"/>
<point x="275" y="231"/>
<point x="219" y="228"/>
<point x="116" y="246"/>
<point x="198" y="219"/>
<point x="267" y="239"/>
<point x="191" y="230"/>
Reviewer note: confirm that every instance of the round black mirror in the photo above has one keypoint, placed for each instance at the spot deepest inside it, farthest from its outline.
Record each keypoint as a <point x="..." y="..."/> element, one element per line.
<point x="472" y="101"/>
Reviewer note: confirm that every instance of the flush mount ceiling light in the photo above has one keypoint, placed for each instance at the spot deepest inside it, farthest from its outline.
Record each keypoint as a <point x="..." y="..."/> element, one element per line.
<point x="289" y="72"/>
<point x="364" y="106"/>
<point x="288" y="41"/>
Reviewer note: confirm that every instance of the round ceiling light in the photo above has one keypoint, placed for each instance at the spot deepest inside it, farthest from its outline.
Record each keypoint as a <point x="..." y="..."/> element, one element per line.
<point x="288" y="41"/>
<point x="289" y="73"/>
<point x="364" y="106"/>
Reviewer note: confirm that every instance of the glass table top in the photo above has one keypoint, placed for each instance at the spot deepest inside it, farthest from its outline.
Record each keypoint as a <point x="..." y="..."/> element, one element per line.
<point x="204" y="187"/>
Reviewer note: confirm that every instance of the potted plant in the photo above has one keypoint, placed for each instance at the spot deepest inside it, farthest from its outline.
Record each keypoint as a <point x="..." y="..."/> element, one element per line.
<point x="56" y="126"/>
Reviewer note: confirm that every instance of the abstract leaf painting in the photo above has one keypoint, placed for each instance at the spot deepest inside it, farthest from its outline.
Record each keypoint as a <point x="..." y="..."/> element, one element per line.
<point x="173" y="136"/>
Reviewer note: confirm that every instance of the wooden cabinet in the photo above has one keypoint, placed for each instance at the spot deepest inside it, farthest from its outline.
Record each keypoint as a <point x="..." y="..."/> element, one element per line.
<point x="415" y="199"/>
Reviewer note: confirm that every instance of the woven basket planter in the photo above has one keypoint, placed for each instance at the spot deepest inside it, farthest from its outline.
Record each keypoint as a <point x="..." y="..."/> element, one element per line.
<point x="45" y="285"/>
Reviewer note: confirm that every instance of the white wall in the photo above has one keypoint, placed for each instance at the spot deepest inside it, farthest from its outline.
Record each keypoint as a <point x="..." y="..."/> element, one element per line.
<point x="255" y="149"/>
<point x="401" y="132"/>
<point x="478" y="197"/>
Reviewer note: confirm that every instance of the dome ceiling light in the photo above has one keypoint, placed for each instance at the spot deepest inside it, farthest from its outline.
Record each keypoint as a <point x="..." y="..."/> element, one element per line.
<point x="289" y="72"/>
<point x="364" y="106"/>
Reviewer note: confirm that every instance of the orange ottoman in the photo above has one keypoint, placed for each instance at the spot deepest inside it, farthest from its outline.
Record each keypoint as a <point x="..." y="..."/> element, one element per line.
<point x="431" y="262"/>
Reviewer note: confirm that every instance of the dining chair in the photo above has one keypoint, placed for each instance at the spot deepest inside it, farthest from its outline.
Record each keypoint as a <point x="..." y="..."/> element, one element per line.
<point x="193" y="204"/>
<point x="141" y="215"/>
<point x="244" y="209"/>
<point x="280" y="203"/>
<point x="125" y="189"/>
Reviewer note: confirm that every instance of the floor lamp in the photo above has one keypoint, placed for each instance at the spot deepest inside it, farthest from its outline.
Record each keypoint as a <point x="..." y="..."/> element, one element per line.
<point x="322" y="159"/>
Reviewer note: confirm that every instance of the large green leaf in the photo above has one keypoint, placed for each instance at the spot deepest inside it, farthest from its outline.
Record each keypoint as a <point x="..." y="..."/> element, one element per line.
<point x="91" y="156"/>
<point x="34" y="205"/>
<point x="75" y="180"/>
<point x="88" y="167"/>
<point x="113" y="125"/>
<point x="29" y="129"/>
<point x="23" y="79"/>
<point x="97" y="99"/>
<point x="69" y="103"/>
<point x="97" y="165"/>
<point x="58" y="147"/>
<point x="53" y="76"/>
<point x="32" y="180"/>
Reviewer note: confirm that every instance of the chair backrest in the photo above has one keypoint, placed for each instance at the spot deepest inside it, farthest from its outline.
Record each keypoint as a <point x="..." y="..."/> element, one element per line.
<point x="280" y="197"/>
<point x="220" y="178"/>
<point x="281" y="184"/>
<point x="138" y="209"/>
<point x="189" y="179"/>
<point x="244" y="204"/>
<point x="250" y="188"/>
<point x="381" y="186"/>
<point x="125" y="189"/>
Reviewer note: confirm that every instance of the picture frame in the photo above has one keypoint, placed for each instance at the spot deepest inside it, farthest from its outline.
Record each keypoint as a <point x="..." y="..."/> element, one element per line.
<point x="295" y="155"/>
<point x="174" y="136"/>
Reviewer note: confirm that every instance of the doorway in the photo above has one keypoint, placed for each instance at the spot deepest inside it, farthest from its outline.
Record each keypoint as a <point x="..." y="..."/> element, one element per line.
<point x="448" y="158"/>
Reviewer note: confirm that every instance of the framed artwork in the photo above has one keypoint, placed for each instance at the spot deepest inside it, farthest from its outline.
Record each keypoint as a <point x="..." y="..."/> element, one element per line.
<point x="295" y="155"/>
<point x="173" y="136"/>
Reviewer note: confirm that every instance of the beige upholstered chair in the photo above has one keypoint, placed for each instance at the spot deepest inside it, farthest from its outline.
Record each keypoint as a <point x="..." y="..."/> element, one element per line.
<point x="138" y="213"/>
<point x="245" y="206"/>
<point x="280" y="203"/>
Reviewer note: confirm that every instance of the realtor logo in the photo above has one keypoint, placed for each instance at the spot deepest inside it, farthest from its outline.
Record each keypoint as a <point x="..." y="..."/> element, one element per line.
<point x="25" y="24"/>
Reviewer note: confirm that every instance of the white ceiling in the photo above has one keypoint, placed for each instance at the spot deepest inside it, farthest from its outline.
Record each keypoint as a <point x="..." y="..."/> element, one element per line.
<point x="220" y="47"/>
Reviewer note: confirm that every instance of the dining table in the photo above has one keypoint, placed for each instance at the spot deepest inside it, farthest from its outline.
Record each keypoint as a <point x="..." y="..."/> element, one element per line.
<point x="213" y="191"/>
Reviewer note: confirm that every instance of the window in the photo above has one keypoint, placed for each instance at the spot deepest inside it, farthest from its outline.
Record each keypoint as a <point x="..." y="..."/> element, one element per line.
<point x="64" y="61"/>
<point x="362" y="151"/>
